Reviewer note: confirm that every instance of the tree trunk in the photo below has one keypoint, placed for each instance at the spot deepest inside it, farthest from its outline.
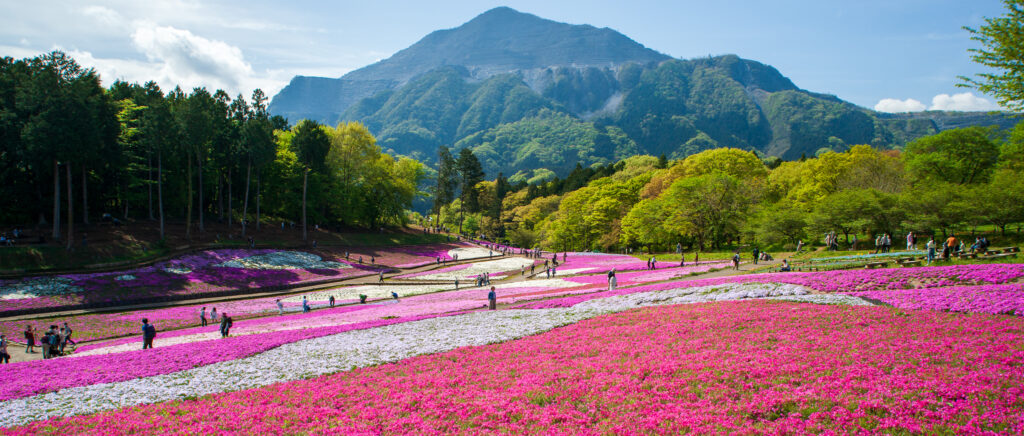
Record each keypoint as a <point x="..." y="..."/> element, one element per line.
<point x="305" y="178"/>
<point x="160" y="190"/>
<point x="220" y="197"/>
<point x="56" y="200"/>
<point x="202" y="206"/>
<point x="188" y="209"/>
<point x="245" y="202"/>
<point x="71" y="210"/>
<point x="85" y="196"/>
<point x="257" y="200"/>
<point x="149" y="165"/>
<point x="230" y="210"/>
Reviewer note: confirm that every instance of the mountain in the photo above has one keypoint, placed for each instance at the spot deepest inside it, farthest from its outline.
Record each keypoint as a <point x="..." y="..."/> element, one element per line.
<point x="499" y="41"/>
<point x="527" y="93"/>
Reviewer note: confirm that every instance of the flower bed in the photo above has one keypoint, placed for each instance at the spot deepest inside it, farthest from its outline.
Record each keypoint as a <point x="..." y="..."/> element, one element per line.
<point x="992" y="299"/>
<point x="468" y="271"/>
<point x="752" y="367"/>
<point x="195" y="274"/>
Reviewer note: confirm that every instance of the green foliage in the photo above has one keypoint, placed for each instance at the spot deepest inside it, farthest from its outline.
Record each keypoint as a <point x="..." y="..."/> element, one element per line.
<point x="955" y="156"/>
<point x="552" y="140"/>
<point x="1002" y="45"/>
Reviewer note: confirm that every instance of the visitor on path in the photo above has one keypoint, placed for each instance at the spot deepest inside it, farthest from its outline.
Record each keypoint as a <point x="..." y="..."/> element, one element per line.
<point x="950" y="245"/>
<point x="213" y="314"/>
<point x="548" y="272"/>
<point x="30" y="340"/>
<point x="785" y="266"/>
<point x="148" y="334"/>
<point x="654" y="262"/>
<point x="888" y="243"/>
<point x="63" y="336"/>
<point x="68" y="330"/>
<point x="878" y="244"/>
<point x="492" y="299"/>
<point x="280" y="307"/>
<point x="533" y="268"/>
<point x="394" y="295"/>
<point x="612" y="280"/>
<point x="44" y="343"/>
<point x="554" y="271"/>
<point x="225" y="325"/>
<point x="331" y="301"/>
<point x="202" y="317"/>
<point x="696" y="257"/>
<point x="456" y="283"/>
<point x="736" y="261"/>
<point x="930" y="246"/>
<point x="799" y="245"/>
<point x="910" y="241"/>
<point x="757" y="255"/>
<point x="380" y="276"/>
<point x="305" y="305"/>
<point x="4" y="356"/>
<point x="682" y="259"/>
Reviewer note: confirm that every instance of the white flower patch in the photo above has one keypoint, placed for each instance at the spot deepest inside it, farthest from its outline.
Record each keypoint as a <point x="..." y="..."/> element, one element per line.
<point x="371" y="291"/>
<point x="38" y="287"/>
<point x="491" y="267"/>
<point x="283" y="260"/>
<point x="837" y="299"/>
<point x="177" y="270"/>
<point x="356" y="349"/>
<point x="471" y="253"/>
<point x="125" y="277"/>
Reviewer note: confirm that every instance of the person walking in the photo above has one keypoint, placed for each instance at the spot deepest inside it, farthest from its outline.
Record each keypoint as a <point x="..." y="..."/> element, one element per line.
<point x="30" y="340"/>
<point x="5" y="357"/>
<point x="930" y="246"/>
<point x="612" y="280"/>
<point x="305" y="305"/>
<point x="910" y="241"/>
<point x="799" y="245"/>
<point x="67" y="329"/>
<point x="492" y="300"/>
<point x="202" y="317"/>
<point x="225" y="325"/>
<point x="213" y="314"/>
<point x="148" y="334"/>
<point x="736" y="261"/>
<point x="756" y="254"/>
<point x="44" y="343"/>
<point x="380" y="276"/>
<point x="331" y="301"/>
<point x="682" y="259"/>
<point x="280" y="307"/>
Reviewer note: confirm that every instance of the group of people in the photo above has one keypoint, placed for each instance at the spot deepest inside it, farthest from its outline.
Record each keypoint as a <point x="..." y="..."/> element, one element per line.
<point x="483" y="279"/>
<point x="52" y="342"/>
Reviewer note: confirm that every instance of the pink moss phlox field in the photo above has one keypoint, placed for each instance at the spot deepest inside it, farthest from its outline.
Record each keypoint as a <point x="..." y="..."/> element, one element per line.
<point x="444" y="270"/>
<point x="992" y="299"/>
<point x="844" y="281"/>
<point x="202" y="277"/>
<point x="251" y="334"/>
<point x="716" y="368"/>
<point x="24" y="379"/>
<point x="109" y="325"/>
<point x="403" y="256"/>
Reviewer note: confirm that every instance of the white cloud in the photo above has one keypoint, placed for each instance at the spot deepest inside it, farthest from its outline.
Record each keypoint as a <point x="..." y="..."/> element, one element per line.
<point x="962" y="102"/>
<point x="190" y="59"/>
<point x="894" y="105"/>
<point x="104" y="15"/>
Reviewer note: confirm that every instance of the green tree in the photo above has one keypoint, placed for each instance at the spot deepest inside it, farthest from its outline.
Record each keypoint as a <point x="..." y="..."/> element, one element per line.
<point x="310" y="145"/>
<point x="960" y="156"/>
<point x="470" y="173"/>
<point x="1002" y="41"/>
<point x="447" y="180"/>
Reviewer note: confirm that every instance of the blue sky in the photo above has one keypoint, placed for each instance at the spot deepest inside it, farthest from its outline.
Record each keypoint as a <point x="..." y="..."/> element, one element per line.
<point x="872" y="53"/>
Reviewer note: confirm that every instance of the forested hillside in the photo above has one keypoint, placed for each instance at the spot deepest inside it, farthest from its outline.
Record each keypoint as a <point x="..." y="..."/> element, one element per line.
<point x="952" y="182"/>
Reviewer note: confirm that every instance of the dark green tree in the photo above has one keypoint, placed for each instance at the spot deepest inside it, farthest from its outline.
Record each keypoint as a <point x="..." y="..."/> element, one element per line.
<point x="470" y="173"/>
<point x="311" y="145"/>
